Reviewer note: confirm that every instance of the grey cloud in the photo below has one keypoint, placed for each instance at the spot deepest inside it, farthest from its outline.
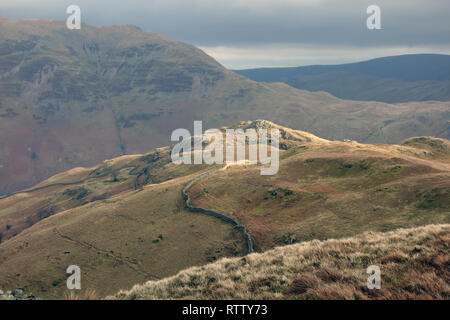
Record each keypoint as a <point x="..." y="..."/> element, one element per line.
<point x="246" y="23"/>
<point x="212" y="22"/>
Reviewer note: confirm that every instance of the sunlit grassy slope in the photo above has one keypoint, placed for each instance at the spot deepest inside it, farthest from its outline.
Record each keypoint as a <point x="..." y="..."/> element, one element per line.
<point x="332" y="189"/>
<point x="413" y="262"/>
<point x="125" y="221"/>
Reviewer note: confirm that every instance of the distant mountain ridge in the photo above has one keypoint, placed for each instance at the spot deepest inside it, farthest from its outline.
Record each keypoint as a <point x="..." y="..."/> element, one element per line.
<point x="414" y="77"/>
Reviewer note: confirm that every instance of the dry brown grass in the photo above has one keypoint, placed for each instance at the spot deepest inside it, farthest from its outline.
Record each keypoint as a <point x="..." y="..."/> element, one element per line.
<point x="89" y="294"/>
<point x="414" y="265"/>
<point x="112" y="232"/>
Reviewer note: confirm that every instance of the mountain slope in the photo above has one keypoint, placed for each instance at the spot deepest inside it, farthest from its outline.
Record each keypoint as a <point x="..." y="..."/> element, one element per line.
<point x="126" y="219"/>
<point x="417" y="77"/>
<point x="333" y="189"/>
<point x="134" y="236"/>
<point x="73" y="98"/>
<point x="413" y="263"/>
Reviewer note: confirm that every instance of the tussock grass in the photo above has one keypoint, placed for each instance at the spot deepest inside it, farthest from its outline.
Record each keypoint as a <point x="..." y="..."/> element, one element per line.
<point x="414" y="264"/>
<point x="89" y="294"/>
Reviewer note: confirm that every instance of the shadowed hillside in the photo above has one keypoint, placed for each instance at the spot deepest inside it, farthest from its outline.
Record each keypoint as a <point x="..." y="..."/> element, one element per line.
<point x="72" y="98"/>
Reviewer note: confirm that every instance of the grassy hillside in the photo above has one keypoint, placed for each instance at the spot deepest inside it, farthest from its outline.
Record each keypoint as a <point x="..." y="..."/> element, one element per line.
<point x="74" y="98"/>
<point x="119" y="241"/>
<point x="413" y="262"/>
<point x="329" y="189"/>
<point x="126" y="219"/>
<point x="415" y="77"/>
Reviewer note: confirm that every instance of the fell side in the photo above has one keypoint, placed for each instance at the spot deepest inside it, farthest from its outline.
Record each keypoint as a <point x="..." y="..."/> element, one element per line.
<point x="414" y="264"/>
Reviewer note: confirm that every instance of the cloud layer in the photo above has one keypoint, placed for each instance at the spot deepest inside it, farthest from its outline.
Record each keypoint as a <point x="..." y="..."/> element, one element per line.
<point x="256" y="26"/>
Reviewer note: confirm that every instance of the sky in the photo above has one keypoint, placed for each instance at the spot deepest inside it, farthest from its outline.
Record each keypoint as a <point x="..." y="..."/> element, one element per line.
<point x="268" y="33"/>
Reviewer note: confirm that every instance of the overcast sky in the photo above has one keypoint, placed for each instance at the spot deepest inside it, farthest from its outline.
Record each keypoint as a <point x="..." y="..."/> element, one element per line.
<point x="257" y="33"/>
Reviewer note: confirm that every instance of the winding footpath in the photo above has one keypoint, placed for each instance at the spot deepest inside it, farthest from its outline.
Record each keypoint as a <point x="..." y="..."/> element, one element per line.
<point x="218" y="215"/>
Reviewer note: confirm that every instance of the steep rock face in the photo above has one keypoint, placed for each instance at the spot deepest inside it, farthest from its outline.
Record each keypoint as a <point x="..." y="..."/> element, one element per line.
<point x="76" y="97"/>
